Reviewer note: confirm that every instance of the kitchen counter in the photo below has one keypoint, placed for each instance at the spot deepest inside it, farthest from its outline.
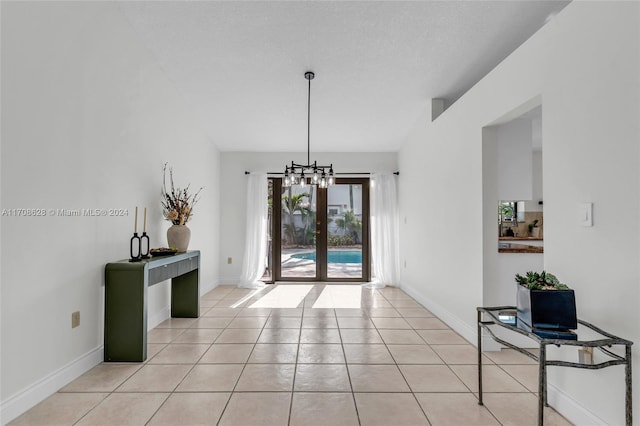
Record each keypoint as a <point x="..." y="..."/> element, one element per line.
<point x="518" y="248"/>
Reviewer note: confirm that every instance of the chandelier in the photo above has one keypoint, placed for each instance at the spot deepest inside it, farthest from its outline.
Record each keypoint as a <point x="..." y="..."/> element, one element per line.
<point x="295" y="173"/>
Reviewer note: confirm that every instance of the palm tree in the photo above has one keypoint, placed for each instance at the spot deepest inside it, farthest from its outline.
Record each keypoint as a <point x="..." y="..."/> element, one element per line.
<point x="292" y="203"/>
<point x="308" y="221"/>
<point x="350" y="224"/>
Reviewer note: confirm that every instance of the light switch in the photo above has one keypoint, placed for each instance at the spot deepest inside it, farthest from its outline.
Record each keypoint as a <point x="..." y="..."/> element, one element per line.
<point x="585" y="215"/>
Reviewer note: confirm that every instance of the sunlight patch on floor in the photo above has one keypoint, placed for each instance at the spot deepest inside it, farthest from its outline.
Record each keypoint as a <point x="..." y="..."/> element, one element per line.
<point x="253" y="293"/>
<point x="343" y="296"/>
<point x="289" y="296"/>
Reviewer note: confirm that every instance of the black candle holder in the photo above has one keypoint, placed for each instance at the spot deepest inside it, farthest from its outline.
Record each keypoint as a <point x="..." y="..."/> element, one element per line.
<point x="135" y="242"/>
<point x="144" y="246"/>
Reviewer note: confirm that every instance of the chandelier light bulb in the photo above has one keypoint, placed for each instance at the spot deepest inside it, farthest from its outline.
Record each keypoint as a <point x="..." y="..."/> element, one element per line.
<point x="286" y="181"/>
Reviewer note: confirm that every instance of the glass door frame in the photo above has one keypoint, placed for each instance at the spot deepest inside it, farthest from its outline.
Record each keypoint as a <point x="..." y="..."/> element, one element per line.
<point x="366" y="236"/>
<point x="321" y="234"/>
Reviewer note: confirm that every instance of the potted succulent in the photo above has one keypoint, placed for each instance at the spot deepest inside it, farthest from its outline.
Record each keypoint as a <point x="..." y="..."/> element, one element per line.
<point x="534" y="231"/>
<point x="543" y="302"/>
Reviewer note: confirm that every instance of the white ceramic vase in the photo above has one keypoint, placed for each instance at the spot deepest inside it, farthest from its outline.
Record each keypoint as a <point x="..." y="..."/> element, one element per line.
<point x="178" y="236"/>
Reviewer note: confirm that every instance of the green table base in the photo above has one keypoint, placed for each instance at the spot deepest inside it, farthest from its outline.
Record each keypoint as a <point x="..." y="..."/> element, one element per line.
<point x="126" y="289"/>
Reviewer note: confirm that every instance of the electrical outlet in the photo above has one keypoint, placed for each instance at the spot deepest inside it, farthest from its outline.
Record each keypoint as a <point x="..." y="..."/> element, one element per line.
<point x="229" y="260"/>
<point x="75" y="319"/>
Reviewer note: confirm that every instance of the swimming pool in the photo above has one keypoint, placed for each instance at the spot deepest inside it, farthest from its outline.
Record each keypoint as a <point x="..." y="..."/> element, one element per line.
<point x="334" y="256"/>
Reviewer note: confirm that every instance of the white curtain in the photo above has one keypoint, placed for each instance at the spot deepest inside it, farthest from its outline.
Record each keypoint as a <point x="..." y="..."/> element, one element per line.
<point x="384" y="230"/>
<point x="255" y="250"/>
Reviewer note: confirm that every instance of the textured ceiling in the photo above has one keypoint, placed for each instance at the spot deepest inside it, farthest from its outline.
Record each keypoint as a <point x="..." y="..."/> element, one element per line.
<point x="240" y="65"/>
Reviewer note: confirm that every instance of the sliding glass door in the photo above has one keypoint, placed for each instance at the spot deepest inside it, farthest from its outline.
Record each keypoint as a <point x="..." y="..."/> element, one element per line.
<point x="345" y="229"/>
<point x="298" y="232"/>
<point x="323" y="234"/>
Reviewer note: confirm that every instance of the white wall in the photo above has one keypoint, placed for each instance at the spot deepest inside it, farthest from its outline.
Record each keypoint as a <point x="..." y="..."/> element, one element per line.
<point x="88" y="119"/>
<point x="234" y="192"/>
<point x="537" y="193"/>
<point x="339" y="197"/>
<point x="584" y="66"/>
<point x="514" y="160"/>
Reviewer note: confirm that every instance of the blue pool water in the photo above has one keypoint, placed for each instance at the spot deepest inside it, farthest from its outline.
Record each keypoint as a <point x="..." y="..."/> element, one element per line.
<point x="334" y="256"/>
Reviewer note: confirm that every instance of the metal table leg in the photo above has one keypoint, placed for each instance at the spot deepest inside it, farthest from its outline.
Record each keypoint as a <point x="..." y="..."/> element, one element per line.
<point x="542" y="383"/>
<point x="479" y="359"/>
<point x="627" y="381"/>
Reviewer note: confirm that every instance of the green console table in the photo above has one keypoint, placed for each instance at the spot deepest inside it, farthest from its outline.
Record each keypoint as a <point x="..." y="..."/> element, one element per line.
<point x="126" y="289"/>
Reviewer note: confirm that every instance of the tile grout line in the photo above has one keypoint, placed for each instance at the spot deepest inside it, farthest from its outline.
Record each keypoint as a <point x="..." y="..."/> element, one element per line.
<point x="346" y="366"/>
<point x="142" y="365"/>
<point x="92" y="408"/>
<point x="244" y="366"/>
<point x="193" y="365"/>
<point x="295" y="368"/>
<point x="190" y="370"/>
<point x="403" y="376"/>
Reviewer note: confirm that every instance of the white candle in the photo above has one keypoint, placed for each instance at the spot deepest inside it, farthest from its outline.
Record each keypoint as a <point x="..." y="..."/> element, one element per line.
<point x="135" y="224"/>
<point x="144" y="229"/>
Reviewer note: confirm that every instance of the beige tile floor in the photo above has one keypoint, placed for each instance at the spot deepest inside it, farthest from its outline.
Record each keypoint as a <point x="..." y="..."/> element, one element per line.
<point x="305" y="355"/>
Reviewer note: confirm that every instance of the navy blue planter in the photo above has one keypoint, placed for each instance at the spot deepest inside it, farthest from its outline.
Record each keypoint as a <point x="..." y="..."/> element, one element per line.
<point x="547" y="309"/>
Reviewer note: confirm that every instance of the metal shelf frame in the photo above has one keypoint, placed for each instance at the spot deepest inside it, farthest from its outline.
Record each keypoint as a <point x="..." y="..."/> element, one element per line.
<point x="489" y="316"/>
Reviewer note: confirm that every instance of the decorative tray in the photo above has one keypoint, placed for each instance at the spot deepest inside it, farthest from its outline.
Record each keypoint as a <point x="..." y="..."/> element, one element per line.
<point x="163" y="252"/>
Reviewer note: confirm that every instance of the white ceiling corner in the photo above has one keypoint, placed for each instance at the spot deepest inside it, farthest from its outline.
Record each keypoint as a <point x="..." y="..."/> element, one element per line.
<point x="241" y="64"/>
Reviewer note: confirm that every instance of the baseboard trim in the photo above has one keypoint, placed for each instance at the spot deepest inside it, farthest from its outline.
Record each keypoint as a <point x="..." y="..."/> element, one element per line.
<point x="458" y="325"/>
<point x="207" y="288"/>
<point x="228" y="281"/>
<point x="33" y="394"/>
<point x="155" y="319"/>
<point x="570" y="408"/>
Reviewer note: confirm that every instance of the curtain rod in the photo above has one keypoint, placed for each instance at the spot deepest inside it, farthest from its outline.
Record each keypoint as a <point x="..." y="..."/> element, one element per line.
<point x="345" y="173"/>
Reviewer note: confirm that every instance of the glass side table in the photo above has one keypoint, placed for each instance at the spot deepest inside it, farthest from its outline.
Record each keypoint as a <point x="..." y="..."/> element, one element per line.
<point x="505" y="317"/>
